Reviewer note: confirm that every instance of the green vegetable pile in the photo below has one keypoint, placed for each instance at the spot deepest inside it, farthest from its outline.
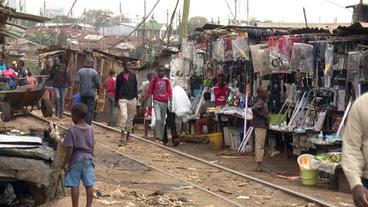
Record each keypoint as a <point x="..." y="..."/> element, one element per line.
<point x="329" y="158"/>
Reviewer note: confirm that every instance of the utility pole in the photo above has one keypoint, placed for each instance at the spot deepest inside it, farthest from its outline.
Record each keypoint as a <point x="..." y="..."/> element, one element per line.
<point x="167" y="17"/>
<point x="305" y="18"/>
<point x="184" y="29"/>
<point x="248" y="12"/>
<point x="144" y="25"/>
<point x="236" y="10"/>
<point x="44" y="8"/>
<point x="84" y="19"/>
<point x="121" y="12"/>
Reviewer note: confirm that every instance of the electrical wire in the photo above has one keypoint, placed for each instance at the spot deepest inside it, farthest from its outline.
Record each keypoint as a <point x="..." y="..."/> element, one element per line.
<point x="71" y="8"/>
<point x="168" y="30"/>
<point x="228" y="6"/>
<point x="143" y="21"/>
<point x="336" y="4"/>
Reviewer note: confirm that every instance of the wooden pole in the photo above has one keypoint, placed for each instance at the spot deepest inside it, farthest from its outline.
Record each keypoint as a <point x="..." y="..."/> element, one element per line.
<point x="184" y="24"/>
<point x="305" y="17"/>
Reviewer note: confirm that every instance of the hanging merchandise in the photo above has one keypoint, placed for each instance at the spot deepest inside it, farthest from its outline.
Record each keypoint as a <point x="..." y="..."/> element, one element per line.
<point x="302" y="58"/>
<point x="328" y="65"/>
<point x="353" y="66"/>
<point x="228" y="49"/>
<point x="241" y="48"/>
<point x="218" y="52"/>
<point x="260" y="59"/>
<point x="187" y="49"/>
<point x="357" y="66"/>
<point x="280" y="51"/>
<point x="198" y="64"/>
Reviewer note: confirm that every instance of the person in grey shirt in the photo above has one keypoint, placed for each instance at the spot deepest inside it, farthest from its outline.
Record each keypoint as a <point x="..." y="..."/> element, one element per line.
<point x="88" y="82"/>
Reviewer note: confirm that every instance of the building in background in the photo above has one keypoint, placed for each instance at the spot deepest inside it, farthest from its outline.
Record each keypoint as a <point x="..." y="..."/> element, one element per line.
<point x="118" y="29"/>
<point x="51" y="13"/>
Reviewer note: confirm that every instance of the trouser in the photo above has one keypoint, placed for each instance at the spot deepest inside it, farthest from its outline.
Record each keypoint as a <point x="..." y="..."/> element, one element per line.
<point x="112" y="111"/>
<point x="199" y="125"/>
<point x="260" y="138"/>
<point x="90" y="102"/>
<point x="59" y="100"/>
<point x="160" y="115"/>
<point x="181" y="125"/>
<point x="49" y="94"/>
<point x="170" y="123"/>
<point x="128" y="110"/>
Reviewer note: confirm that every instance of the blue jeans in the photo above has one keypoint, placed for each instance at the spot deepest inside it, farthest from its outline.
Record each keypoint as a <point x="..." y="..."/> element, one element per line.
<point x="90" y="102"/>
<point x="59" y="100"/>
<point x="81" y="170"/>
<point x="160" y="115"/>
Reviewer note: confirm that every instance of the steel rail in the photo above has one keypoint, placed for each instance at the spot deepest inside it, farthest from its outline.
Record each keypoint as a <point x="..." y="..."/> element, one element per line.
<point x="252" y="178"/>
<point x="154" y="168"/>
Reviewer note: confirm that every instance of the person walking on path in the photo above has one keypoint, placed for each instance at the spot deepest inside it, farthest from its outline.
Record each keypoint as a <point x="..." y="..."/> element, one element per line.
<point x="260" y="123"/>
<point x="88" y="82"/>
<point x="146" y="107"/>
<point x="355" y="150"/>
<point x="110" y="86"/>
<point x="126" y="94"/>
<point x="60" y="81"/>
<point x="79" y="142"/>
<point x="160" y="89"/>
<point x="180" y="107"/>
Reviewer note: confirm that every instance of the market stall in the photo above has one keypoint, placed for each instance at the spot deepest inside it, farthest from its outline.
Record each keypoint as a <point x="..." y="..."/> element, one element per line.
<point x="313" y="77"/>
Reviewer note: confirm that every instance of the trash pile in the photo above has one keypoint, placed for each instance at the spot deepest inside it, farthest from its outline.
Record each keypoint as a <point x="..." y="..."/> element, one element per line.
<point x="133" y="198"/>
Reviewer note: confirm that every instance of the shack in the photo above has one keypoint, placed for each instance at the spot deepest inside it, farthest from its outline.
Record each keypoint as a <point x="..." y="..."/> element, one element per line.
<point x="74" y="60"/>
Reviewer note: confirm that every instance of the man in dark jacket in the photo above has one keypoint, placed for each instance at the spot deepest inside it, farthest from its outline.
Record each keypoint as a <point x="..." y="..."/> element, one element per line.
<point x="126" y="98"/>
<point x="60" y="81"/>
<point x="260" y="123"/>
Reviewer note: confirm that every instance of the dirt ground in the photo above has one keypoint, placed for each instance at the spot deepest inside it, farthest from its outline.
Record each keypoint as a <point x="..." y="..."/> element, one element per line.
<point x="123" y="182"/>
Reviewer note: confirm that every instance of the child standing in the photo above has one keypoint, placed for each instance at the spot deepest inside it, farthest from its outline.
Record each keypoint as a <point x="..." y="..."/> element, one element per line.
<point x="80" y="142"/>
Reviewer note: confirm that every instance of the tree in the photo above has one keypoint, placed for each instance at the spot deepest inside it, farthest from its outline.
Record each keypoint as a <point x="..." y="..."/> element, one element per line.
<point x="64" y="19"/>
<point x="195" y="22"/>
<point x="98" y="17"/>
<point x="49" y="38"/>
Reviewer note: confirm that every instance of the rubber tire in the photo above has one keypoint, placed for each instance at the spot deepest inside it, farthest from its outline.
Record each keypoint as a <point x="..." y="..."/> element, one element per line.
<point x="6" y="110"/>
<point x="46" y="107"/>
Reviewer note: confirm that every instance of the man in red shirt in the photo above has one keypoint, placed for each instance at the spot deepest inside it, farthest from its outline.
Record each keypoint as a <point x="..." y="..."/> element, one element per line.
<point x="220" y="91"/>
<point x="112" y="110"/>
<point x="160" y="89"/>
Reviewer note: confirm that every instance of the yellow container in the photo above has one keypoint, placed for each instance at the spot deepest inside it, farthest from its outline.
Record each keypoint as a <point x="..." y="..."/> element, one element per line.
<point x="216" y="140"/>
<point x="309" y="177"/>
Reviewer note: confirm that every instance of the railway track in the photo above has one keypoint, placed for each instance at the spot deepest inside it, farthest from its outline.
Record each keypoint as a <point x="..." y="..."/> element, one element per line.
<point x="201" y="174"/>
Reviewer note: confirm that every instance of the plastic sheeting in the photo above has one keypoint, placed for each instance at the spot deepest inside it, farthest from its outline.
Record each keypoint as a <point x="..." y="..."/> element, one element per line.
<point x="353" y="65"/>
<point x="218" y="52"/>
<point x="241" y="48"/>
<point x="260" y="59"/>
<point x="302" y="58"/>
<point x="357" y="66"/>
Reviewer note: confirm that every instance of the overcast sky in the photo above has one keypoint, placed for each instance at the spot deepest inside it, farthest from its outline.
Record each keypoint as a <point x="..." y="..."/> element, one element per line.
<point x="275" y="10"/>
